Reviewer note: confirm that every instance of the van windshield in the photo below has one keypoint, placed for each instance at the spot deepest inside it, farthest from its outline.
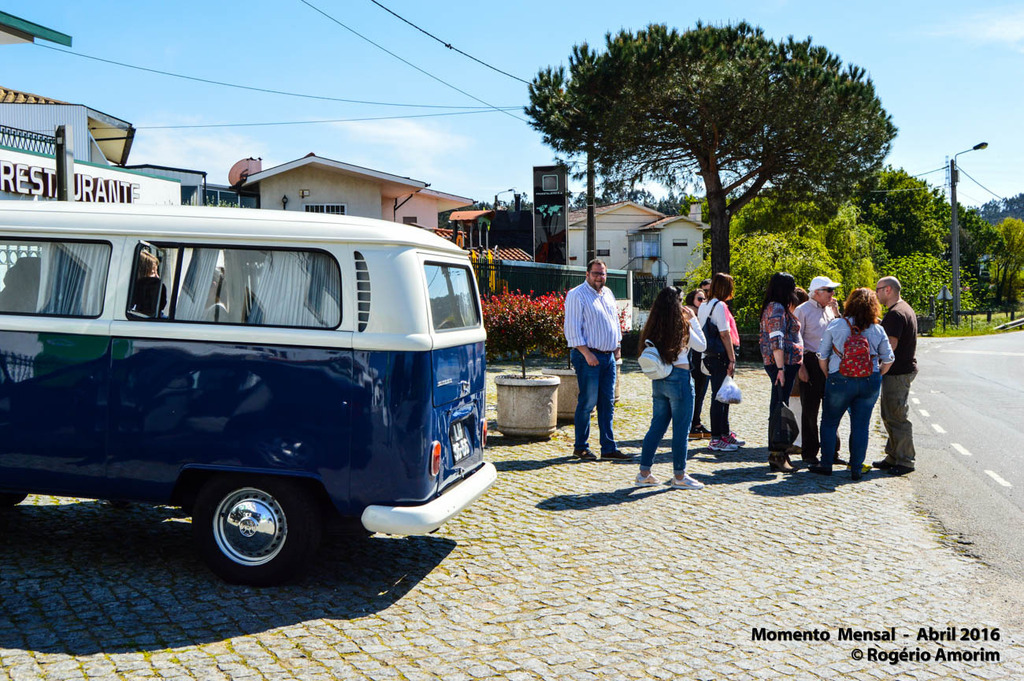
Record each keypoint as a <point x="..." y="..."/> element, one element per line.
<point x="453" y="299"/>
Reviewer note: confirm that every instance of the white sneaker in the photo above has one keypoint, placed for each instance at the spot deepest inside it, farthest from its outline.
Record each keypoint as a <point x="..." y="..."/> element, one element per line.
<point x="722" y="445"/>
<point x="646" y="480"/>
<point x="686" y="483"/>
<point x="733" y="440"/>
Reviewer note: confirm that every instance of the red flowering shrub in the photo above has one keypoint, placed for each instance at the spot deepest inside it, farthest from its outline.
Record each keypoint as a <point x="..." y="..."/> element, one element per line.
<point x="519" y="324"/>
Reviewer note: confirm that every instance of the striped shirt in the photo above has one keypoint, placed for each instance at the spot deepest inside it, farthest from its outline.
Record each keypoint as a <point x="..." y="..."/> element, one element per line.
<point x="591" y="318"/>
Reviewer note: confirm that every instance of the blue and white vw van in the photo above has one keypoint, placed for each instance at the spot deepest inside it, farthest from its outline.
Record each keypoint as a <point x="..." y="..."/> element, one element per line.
<point x="264" y="370"/>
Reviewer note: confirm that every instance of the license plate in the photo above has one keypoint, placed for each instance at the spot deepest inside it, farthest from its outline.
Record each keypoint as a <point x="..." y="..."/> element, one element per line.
<point x="460" y="442"/>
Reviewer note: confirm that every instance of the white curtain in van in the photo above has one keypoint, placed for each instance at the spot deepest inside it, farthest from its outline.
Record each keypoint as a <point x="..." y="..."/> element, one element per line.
<point x="281" y="296"/>
<point x="196" y="284"/>
<point x="73" y="279"/>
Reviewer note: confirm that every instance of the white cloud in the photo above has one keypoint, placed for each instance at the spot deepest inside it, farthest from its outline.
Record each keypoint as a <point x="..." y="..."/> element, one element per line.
<point x="213" y="151"/>
<point x="1000" y="27"/>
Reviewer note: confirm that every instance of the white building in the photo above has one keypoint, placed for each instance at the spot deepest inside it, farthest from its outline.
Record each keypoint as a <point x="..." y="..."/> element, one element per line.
<point x="640" y="239"/>
<point x="100" y="143"/>
<point x="315" y="184"/>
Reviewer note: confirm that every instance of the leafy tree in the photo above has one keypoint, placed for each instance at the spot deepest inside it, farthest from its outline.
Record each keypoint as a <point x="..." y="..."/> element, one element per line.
<point x="922" y="275"/>
<point x="909" y="215"/>
<point x="996" y="210"/>
<point x="729" y="106"/>
<point x="758" y="257"/>
<point x="1009" y="258"/>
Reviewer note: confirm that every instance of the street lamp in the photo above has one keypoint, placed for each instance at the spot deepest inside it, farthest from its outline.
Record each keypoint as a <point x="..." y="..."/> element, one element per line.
<point x="954" y="230"/>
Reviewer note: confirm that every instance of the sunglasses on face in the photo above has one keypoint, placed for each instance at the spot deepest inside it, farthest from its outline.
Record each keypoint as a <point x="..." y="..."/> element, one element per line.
<point x="700" y="299"/>
<point x="827" y="290"/>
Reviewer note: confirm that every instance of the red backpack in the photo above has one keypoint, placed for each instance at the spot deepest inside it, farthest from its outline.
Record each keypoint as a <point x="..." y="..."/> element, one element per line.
<point x="855" y="359"/>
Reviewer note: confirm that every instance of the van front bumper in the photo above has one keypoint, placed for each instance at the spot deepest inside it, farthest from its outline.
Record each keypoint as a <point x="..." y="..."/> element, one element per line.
<point x="433" y="514"/>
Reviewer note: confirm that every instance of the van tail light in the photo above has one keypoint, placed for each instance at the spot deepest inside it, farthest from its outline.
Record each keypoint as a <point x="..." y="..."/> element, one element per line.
<point x="435" y="458"/>
<point x="483" y="439"/>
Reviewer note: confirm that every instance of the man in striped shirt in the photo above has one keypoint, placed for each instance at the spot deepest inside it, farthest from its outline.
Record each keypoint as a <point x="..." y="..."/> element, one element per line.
<point x="592" y="331"/>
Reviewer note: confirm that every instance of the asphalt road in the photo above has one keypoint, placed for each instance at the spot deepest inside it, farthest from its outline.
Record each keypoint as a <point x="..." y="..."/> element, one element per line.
<point x="967" y="407"/>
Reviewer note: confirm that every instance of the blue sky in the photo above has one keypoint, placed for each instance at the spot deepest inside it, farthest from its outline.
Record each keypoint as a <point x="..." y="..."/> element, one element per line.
<point x="948" y="74"/>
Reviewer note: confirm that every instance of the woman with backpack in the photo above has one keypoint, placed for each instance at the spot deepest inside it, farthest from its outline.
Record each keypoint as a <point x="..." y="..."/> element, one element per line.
<point x="854" y="354"/>
<point x="673" y="330"/>
<point x="782" y="351"/>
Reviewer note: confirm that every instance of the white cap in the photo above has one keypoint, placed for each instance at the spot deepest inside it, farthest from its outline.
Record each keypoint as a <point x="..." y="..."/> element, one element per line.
<point x="822" y="282"/>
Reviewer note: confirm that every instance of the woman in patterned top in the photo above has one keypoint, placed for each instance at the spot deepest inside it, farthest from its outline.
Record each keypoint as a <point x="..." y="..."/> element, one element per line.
<point x="781" y="349"/>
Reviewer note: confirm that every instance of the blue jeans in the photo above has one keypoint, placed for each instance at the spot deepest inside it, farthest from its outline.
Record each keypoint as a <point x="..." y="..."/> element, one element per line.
<point x="718" y="365"/>
<point x="597" y="389"/>
<point x="673" y="401"/>
<point x="858" y="395"/>
<point x="781" y="392"/>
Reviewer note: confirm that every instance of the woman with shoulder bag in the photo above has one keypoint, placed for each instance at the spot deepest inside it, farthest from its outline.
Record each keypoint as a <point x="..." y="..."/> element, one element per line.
<point x="854" y="354"/>
<point x="720" y="358"/>
<point x="673" y="330"/>
<point x="782" y="351"/>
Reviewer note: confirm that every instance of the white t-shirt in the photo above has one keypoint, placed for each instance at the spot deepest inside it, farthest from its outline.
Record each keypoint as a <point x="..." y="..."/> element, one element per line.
<point x="718" y="317"/>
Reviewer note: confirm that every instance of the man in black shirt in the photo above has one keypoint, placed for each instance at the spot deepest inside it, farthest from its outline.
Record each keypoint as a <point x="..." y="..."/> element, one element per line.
<point x="900" y="324"/>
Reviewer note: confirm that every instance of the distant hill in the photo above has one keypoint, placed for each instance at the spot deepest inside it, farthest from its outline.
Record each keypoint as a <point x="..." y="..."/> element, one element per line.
<point x="996" y="210"/>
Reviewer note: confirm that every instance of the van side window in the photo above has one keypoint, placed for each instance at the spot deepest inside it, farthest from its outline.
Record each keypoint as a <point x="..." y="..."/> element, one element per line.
<point x="153" y="275"/>
<point x="453" y="299"/>
<point x="62" y="279"/>
<point x="274" y="287"/>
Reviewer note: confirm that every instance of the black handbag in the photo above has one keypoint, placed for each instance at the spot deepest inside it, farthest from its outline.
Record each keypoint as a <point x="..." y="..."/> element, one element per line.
<point x="782" y="426"/>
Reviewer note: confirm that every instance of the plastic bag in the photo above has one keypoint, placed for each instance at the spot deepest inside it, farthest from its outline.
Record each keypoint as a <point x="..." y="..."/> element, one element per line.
<point x="729" y="392"/>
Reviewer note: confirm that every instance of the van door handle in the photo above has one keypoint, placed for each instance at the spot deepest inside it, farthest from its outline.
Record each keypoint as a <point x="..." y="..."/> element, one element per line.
<point x="463" y="388"/>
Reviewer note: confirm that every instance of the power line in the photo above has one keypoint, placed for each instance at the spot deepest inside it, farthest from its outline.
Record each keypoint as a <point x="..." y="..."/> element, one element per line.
<point x="261" y="89"/>
<point x="449" y="45"/>
<point x="929" y="172"/>
<point x="331" y="120"/>
<point x="981" y="185"/>
<point x="407" y="62"/>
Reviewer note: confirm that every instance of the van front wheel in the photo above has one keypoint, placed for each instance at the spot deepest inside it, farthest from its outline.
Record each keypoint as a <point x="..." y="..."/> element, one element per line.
<point x="258" y="530"/>
<point x="11" y="499"/>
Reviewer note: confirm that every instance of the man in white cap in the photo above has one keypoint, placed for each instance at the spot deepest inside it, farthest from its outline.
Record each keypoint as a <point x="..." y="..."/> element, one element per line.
<point x="814" y="316"/>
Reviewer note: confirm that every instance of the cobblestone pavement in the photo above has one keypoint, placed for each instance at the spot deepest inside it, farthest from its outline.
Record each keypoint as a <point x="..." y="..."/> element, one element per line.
<point x="562" y="571"/>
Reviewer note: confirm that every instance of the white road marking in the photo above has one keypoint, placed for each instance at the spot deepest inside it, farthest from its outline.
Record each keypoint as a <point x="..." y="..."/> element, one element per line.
<point x="912" y="392"/>
<point x="960" y="448"/>
<point x="915" y="400"/>
<point x="938" y="428"/>
<point x="995" y="476"/>
<point x="924" y="413"/>
<point x="982" y="352"/>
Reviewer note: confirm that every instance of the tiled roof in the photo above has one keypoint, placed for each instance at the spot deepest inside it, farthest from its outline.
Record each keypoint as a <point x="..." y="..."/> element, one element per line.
<point x="577" y="215"/>
<point x="503" y="253"/>
<point x="8" y="96"/>
<point x="670" y="219"/>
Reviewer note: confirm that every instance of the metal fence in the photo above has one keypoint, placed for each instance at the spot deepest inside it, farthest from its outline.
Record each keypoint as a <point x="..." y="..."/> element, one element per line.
<point x="25" y="140"/>
<point x="646" y="289"/>
<point x="540" y="278"/>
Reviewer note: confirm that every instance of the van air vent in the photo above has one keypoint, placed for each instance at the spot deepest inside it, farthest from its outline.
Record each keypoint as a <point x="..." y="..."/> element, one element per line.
<point x="362" y="291"/>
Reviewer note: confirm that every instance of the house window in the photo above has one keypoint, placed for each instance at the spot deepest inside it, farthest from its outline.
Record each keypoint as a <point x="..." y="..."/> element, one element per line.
<point x="328" y="208"/>
<point x="604" y="248"/>
<point x="680" y="242"/>
<point x="410" y="220"/>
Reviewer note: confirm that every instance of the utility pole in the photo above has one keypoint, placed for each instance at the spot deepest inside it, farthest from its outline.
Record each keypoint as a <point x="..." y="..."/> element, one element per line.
<point x="954" y="231"/>
<point x="591" y="220"/>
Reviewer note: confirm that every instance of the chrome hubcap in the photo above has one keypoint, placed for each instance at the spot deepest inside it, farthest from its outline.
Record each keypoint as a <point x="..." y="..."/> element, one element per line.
<point x="249" y="527"/>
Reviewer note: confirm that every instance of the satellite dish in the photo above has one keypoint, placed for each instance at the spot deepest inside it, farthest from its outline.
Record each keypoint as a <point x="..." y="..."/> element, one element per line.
<point x="243" y="169"/>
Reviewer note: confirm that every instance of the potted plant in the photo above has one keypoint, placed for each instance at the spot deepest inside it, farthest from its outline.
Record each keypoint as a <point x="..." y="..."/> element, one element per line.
<point x="518" y="324"/>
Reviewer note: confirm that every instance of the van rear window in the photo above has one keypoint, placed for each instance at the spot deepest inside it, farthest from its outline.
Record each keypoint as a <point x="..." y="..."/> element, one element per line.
<point x="453" y="299"/>
<point x="56" y="278"/>
<point x="272" y="287"/>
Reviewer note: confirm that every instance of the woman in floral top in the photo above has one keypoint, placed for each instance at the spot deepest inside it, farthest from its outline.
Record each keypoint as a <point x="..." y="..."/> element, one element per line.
<point x="781" y="349"/>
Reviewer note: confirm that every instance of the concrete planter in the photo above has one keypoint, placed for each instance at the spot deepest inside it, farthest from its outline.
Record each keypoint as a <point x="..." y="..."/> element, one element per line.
<point x="568" y="392"/>
<point x="527" y="406"/>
